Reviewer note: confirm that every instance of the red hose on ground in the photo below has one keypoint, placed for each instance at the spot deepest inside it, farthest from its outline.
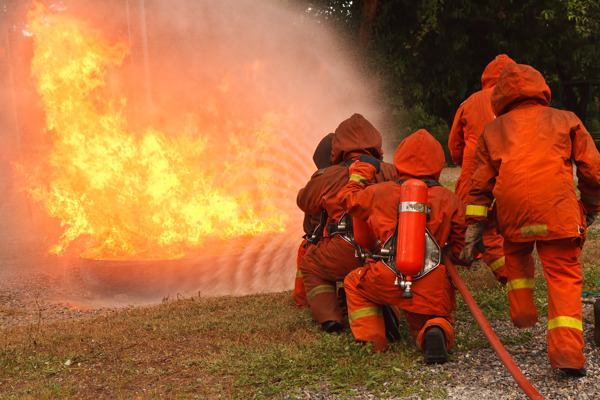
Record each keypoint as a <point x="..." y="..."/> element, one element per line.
<point x="490" y="335"/>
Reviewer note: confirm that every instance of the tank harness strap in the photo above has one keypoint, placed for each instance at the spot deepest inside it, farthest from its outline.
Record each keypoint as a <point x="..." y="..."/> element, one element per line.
<point x="315" y="236"/>
<point x="429" y="182"/>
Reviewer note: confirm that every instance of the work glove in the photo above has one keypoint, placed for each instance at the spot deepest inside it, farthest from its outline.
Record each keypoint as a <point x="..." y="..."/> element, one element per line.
<point x="589" y="219"/>
<point x="371" y="160"/>
<point x="365" y="170"/>
<point x="473" y="240"/>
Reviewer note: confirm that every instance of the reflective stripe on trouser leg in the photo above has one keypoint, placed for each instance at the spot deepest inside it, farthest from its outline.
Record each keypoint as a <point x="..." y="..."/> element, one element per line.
<point x="499" y="263"/>
<point x="365" y="317"/>
<point x="520" y="272"/>
<point x="494" y="252"/>
<point x="323" y="303"/>
<point x="562" y="270"/>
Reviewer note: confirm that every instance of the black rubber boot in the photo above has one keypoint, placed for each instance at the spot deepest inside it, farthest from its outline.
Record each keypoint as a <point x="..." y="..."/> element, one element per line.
<point x="341" y="295"/>
<point x="574" y="372"/>
<point x="331" y="326"/>
<point x="435" y="346"/>
<point x="392" y="331"/>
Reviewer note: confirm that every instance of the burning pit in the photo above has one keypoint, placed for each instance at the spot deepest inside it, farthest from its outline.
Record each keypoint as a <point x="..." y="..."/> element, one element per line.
<point x="161" y="152"/>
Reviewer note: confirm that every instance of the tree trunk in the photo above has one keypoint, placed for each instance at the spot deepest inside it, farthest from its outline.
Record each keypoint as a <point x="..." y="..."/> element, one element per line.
<point x="366" y="26"/>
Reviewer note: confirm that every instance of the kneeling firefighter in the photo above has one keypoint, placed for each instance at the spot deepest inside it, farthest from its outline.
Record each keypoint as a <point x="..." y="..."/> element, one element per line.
<point x="313" y="225"/>
<point x="330" y="260"/>
<point x="426" y="294"/>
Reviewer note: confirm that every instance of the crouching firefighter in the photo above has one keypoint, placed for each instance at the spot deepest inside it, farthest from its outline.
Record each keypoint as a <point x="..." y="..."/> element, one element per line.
<point x="329" y="261"/>
<point x="413" y="217"/>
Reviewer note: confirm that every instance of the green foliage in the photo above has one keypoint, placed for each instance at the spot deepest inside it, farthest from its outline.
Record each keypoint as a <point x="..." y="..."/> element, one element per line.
<point x="431" y="53"/>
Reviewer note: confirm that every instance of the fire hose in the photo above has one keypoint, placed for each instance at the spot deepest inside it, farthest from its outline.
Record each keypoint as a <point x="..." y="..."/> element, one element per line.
<point x="508" y="362"/>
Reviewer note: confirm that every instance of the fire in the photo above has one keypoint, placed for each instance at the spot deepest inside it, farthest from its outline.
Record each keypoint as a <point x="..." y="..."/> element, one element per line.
<point x="125" y="190"/>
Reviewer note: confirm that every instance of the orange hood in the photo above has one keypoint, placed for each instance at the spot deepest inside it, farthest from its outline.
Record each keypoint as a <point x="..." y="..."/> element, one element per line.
<point x="355" y="136"/>
<point x="519" y="83"/>
<point x="419" y="156"/>
<point x="492" y="71"/>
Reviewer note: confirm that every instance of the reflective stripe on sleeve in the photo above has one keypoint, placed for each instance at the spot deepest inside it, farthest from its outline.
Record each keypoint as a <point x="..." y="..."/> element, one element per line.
<point x="520" y="284"/>
<point x="565" y="322"/>
<point x="365" y="312"/>
<point x="498" y="263"/>
<point x="478" y="211"/>
<point x="361" y="180"/>
<point x="298" y="274"/>
<point x="320" y="289"/>
<point x="534" y="230"/>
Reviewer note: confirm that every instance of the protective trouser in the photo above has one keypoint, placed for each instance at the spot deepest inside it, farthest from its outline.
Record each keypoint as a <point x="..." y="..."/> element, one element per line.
<point x="494" y="253"/>
<point x="299" y="294"/>
<point x="323" y="265"/>
<point x="365" y="294"/>
<point x="562" y="270"/>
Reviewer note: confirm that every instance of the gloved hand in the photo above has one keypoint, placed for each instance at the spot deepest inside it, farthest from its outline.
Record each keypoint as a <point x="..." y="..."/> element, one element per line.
<point x="371" y="160"/>
<point x="473" y="240"/>
<point x="589" y="219"/>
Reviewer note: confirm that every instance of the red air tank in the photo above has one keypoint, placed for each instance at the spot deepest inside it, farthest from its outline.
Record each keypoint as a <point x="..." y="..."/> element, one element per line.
<point x="412" y="217"/>
<point x="363" y="234"/>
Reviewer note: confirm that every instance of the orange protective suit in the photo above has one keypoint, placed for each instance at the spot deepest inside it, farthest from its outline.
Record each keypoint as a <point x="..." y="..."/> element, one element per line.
<point x="524" y="160"/>
<point x="332" y="258"/>
<point x="368" y="288"/>
<point x="472" y="115"/>
<point x="322" y="160"/>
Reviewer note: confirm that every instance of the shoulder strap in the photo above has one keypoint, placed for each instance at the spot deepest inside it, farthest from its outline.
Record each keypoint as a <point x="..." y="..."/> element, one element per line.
<point x="347" y="163"/>
<point x="428" y="182"/>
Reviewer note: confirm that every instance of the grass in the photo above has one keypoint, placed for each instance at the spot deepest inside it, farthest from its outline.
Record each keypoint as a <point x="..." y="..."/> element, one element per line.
<point x="252" y="347"/>
<point x="257" y="346"/>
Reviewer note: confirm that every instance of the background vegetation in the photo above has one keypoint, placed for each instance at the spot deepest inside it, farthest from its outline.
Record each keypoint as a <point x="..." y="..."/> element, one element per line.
<point x="431" y="53"/>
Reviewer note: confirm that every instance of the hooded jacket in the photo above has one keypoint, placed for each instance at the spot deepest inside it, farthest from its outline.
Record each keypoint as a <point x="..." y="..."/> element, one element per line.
<point x="353" y="138"/>
<point x="524" y="160"/>
<point x="419" y="156"/>
<point x="322" y="160"/>
<point x="470" y="118"/>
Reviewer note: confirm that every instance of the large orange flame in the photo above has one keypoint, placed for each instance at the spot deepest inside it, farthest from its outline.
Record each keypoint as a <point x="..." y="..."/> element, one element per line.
<point x="141" y="193"/>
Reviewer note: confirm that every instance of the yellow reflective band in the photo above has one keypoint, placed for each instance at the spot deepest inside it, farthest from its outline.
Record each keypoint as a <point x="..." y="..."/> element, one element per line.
<point x="479" y="211"/>
<point x="298" y="274"/>
<point x="361" y="180"/>
<point x="497" y="264"/>
<point x="320" y="289"/>
<point x="365" y="312"/>
<point x="520" y="284"/>
<point x="565" y="322"/>
<point x="590" y="199"/>
<point x="534" y="230"/>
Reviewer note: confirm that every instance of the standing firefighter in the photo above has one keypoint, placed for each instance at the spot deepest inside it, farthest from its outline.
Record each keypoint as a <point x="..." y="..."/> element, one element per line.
<point x="313" y="224"/>
<point x="330" y="260"/>
<point x="470" y="118"/>
<point x="524" y="161"/>
<point x="428" y="312"/>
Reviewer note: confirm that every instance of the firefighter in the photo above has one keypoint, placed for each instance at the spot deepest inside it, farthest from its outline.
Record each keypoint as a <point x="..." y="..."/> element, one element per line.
<point x="470" y="118"/>
<point x="329" y="261"/>
<point x="313" y="224"/>
<point x="429" y="311"/>
<point x="524" y="163"/>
